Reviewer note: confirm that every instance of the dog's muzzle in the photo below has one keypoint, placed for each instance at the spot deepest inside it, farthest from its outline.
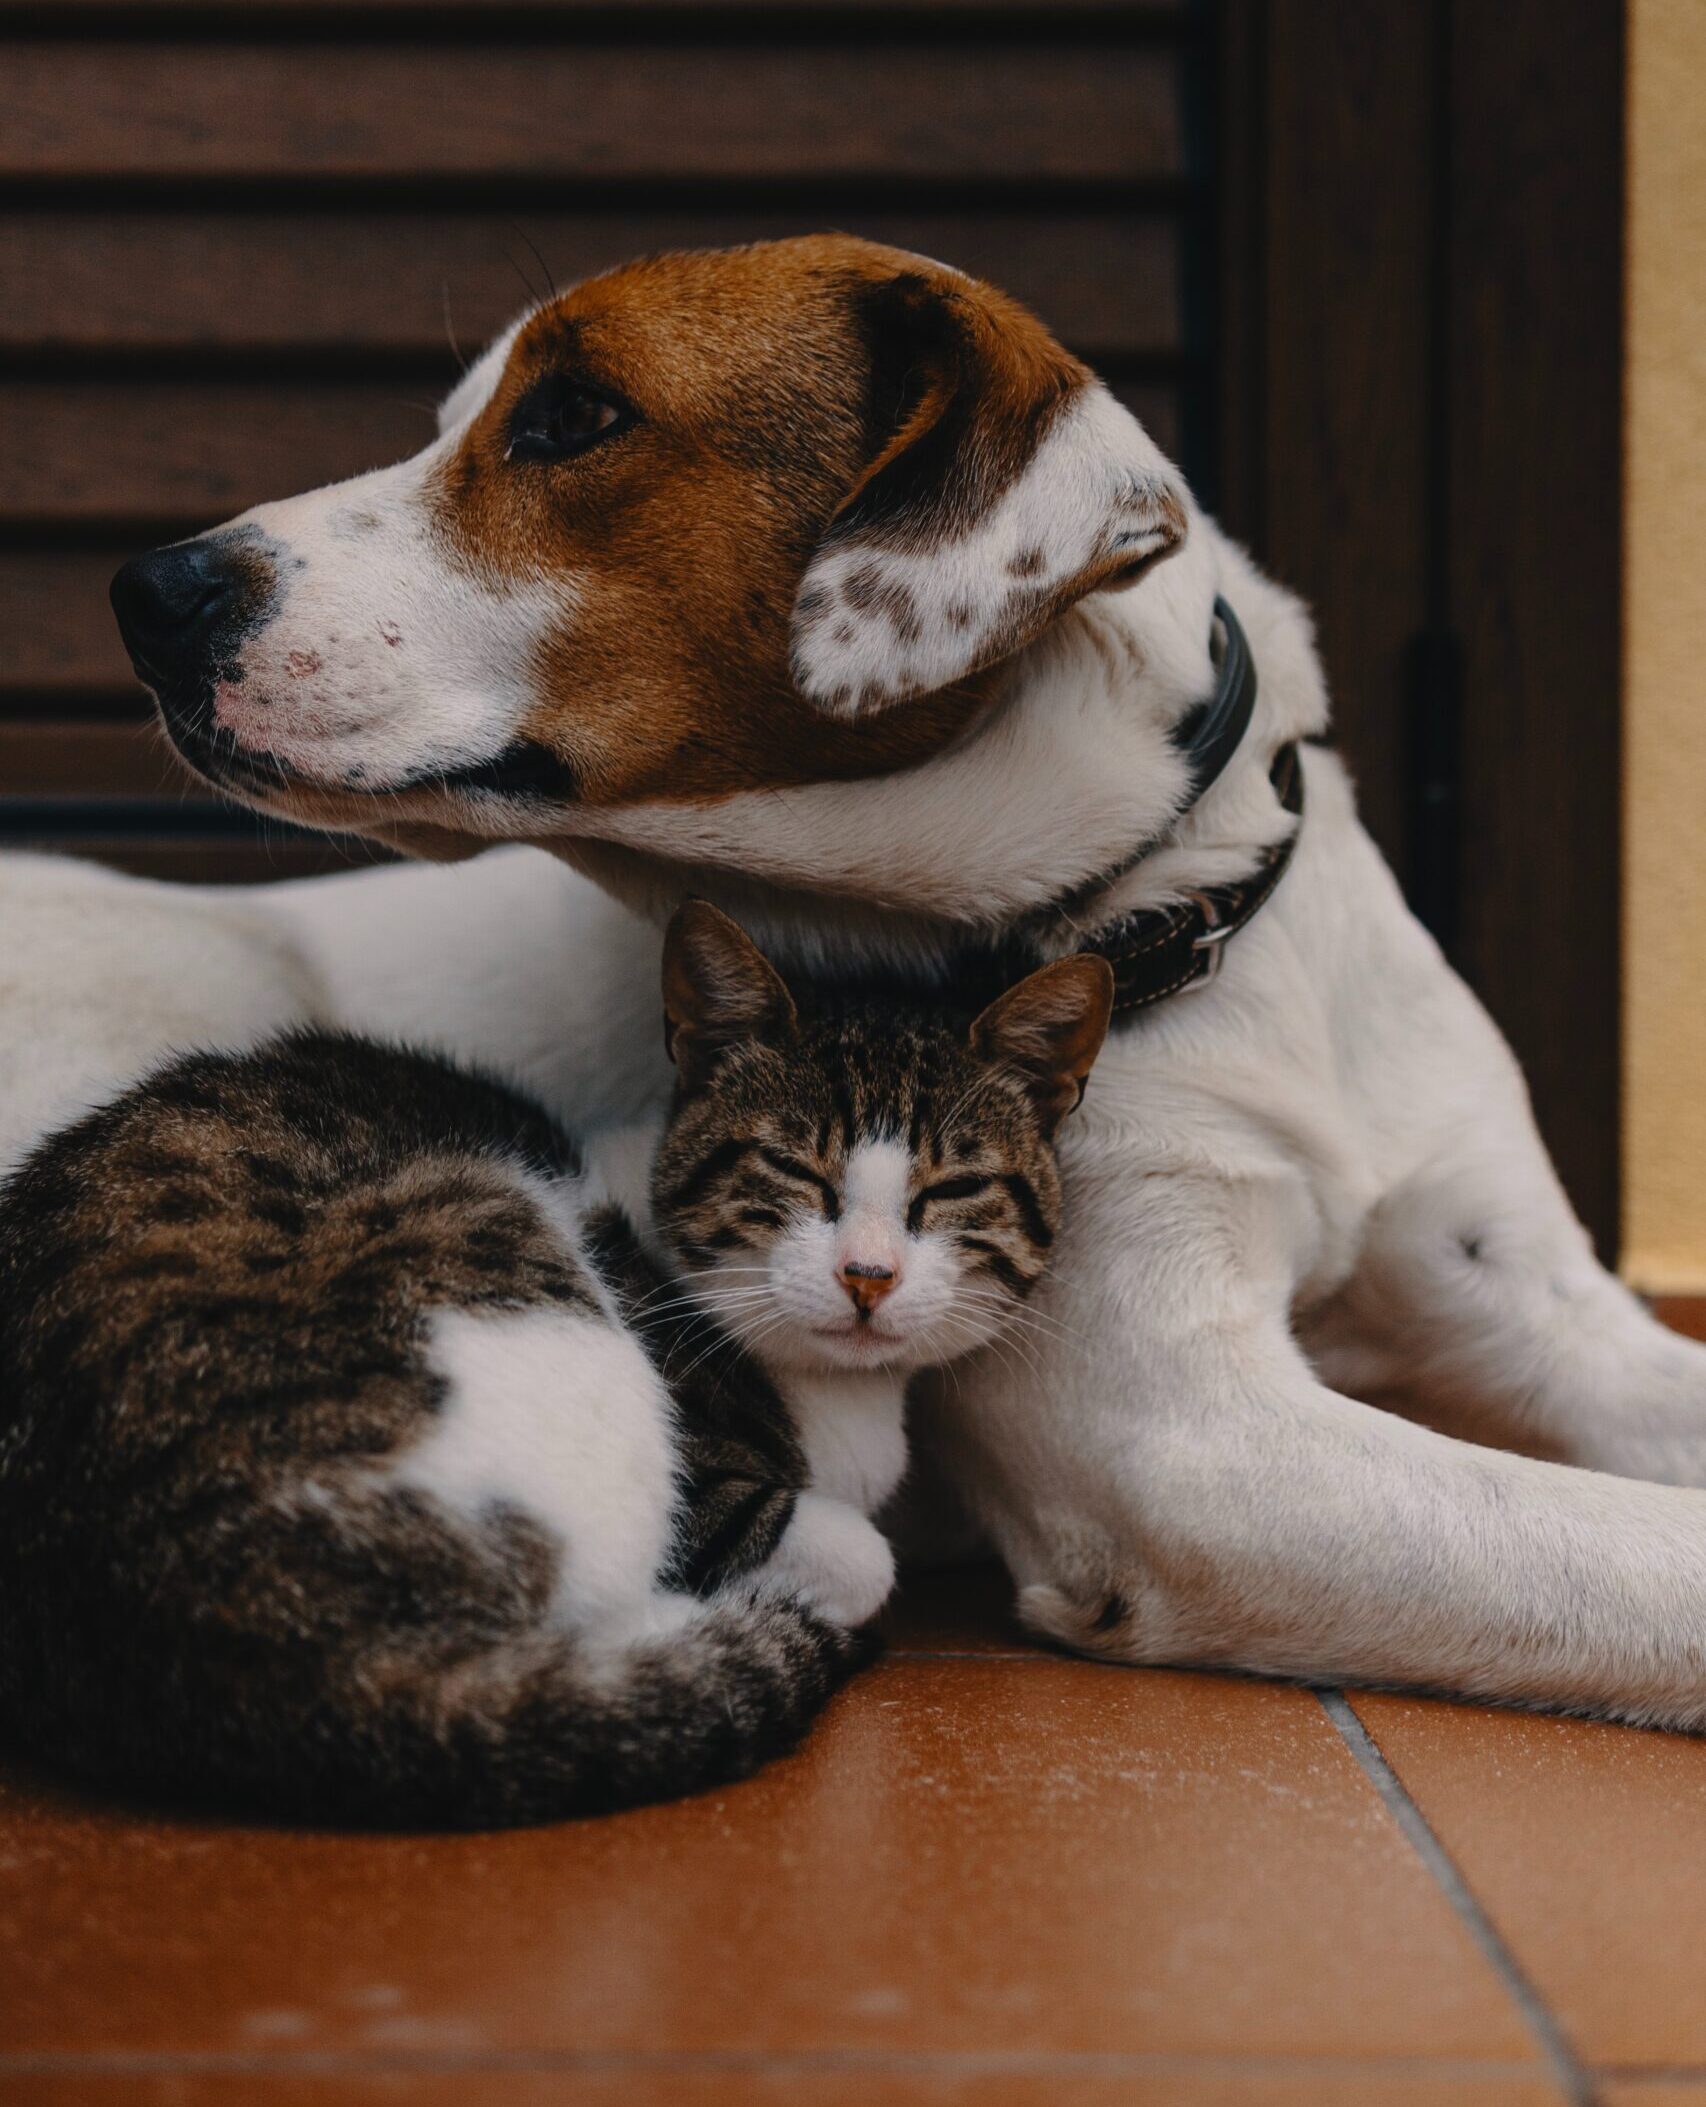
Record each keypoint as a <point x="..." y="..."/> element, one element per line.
<point x="184" y="613"/>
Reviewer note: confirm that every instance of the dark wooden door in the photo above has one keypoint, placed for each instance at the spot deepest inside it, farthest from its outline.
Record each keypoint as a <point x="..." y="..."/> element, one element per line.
<point x="1419" y="429"/>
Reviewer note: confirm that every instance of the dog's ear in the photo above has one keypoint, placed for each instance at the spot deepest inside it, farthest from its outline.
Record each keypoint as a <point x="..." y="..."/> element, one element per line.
<point x="1050" y="1028"/>
<point x="1004" y="482"/>
<point x="719" y="990"/>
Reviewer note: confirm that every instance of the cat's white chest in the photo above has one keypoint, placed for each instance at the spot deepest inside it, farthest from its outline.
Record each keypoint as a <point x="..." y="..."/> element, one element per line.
<point x="853" y="1430"/>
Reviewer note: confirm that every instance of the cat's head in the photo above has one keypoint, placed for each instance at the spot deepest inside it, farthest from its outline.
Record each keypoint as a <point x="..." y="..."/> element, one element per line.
<point x="848" y="1186"/>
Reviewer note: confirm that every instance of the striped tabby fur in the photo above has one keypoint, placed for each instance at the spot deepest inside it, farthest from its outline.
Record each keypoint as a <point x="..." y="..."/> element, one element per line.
<point x="215" y="1331"/>
<point x="356" y="1464"/>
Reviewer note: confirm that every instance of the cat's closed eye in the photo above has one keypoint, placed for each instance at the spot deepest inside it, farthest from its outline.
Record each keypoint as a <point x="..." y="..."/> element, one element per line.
<point x="966" y="1186"/>
<point x="802" y="1173"/>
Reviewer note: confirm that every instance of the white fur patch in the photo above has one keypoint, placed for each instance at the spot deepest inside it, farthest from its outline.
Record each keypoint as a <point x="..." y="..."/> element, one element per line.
<point x="833" y="1560"/>
<point x="619" y="1168"/>
<point x="561" y="1417"/>
<point x="875" y="625"/>
<point x="384" y="664"/>
<point x="875" y="1188"/>
<point x="852" y="1428"/>
<point x="479" y="383"/>
<point x="1073" y="765"/>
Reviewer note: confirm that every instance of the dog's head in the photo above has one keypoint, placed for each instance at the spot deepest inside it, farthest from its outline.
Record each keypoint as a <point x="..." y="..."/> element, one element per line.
<point x="711" y="523"/>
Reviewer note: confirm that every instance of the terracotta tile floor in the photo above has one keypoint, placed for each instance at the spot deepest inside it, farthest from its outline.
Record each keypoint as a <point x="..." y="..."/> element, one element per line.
<point x="992" y="1876"/>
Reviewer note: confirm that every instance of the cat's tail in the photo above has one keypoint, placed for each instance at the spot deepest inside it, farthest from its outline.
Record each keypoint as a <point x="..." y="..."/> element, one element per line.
<point x="536" y="1730"/>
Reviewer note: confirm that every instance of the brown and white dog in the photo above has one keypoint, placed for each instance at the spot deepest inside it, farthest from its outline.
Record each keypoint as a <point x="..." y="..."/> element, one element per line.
<point x="819" y="579"/>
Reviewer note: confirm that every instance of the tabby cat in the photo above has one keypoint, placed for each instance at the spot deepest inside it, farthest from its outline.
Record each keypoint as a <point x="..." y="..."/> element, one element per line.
<point x="362" y="1458"/>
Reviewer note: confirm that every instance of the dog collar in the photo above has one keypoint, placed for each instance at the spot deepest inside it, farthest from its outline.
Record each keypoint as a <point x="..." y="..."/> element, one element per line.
<point x="1211" y="733"/>
<point x="1160" y="951"/>
<point x="1154" y="951"/>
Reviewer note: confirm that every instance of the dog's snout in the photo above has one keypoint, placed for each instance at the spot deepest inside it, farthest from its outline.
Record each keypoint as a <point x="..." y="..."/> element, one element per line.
<point x="176" y="606"/>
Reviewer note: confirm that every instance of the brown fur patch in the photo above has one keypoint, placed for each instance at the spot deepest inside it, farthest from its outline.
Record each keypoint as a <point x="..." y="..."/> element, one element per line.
<point x="763" y="416"/>
<point x="785" y="396"/>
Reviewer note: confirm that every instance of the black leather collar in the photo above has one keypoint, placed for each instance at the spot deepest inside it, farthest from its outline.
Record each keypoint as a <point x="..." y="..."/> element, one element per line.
<point x="1160" y="951"/>
<point x="1211" y="734"/>
<point x="1155" y="951"/>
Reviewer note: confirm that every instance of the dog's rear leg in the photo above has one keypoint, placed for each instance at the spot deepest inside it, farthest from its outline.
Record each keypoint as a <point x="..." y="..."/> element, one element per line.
<point x="1478" y="1306"/>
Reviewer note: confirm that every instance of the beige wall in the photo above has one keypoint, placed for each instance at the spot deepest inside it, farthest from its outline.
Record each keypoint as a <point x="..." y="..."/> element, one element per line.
<point x="1664" y="1117"/>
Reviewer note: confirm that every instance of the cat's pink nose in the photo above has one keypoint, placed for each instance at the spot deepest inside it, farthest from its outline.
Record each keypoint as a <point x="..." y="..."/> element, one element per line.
<point x="866" y="1284"/>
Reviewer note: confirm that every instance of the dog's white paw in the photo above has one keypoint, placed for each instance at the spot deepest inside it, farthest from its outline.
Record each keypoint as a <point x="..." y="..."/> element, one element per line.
<point x="833" y="1561"/>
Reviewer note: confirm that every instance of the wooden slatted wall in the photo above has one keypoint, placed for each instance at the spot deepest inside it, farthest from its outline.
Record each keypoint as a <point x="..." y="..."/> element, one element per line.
<point x="235" y="242"/>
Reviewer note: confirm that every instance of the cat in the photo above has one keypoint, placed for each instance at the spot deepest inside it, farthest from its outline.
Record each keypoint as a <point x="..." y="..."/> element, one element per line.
<point x="856" y="1190"/>
<point x="362" y="1458"/>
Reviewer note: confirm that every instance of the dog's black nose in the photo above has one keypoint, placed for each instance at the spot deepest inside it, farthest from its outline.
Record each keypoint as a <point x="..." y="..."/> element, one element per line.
<point x="176" y="605"/>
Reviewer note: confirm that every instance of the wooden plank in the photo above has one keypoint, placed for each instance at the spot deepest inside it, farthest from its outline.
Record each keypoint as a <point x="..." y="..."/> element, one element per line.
<point x="167" y="453"/>
<point x="1004" y="112"/>
<point x="60" y="638"/>
<point x="50" y="620"/>
<point x="48" y="757"/>
<point x="1107" y="281"/>
<point x="189" y="453"/>
<point x="1535" y="554"/>
<point x="1230" y="276"/>
<point x="1345" y="393"/>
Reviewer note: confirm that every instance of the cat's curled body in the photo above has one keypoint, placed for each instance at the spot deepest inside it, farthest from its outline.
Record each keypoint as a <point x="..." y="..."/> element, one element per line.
<point x="286" y="1338"/>
<point x="359" y="1460"/>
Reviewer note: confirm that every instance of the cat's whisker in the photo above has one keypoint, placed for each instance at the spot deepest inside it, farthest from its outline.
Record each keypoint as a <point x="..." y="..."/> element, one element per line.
<point x="720" y="1338"/>
<point x="995" y="1341"/>
<point x="642" y="1312"/>
<point x="1021" y="1314"/>
<point x="705" y="1284"/>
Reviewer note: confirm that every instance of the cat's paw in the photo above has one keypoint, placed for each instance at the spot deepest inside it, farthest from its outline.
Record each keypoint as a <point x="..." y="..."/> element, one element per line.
<point x="833" y="1561"/>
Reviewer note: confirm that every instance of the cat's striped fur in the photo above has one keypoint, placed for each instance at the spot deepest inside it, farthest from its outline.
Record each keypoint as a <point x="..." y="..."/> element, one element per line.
<point x="783" y="1122"/>
<point x="357" y="1463"/>
<point x="858" y="1189"/>
<point x="215" y="1305"/>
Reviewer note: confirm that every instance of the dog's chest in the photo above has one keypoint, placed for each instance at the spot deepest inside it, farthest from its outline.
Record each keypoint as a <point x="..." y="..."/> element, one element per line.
<point x="1273" y="1142"/>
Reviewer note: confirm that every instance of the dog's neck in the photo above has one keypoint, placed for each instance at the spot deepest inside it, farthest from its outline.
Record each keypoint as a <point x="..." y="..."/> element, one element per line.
<point x="1073" y="769"/>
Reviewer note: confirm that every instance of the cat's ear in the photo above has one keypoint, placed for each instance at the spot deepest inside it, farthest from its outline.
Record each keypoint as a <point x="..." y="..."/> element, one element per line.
<point x="719" y="990"/>
<point x="1050" y="1029"/>
<point x="1003" y="483"/>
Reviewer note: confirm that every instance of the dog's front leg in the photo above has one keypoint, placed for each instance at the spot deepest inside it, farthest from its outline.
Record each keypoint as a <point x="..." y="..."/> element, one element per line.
<point x="1172" y="1483"/>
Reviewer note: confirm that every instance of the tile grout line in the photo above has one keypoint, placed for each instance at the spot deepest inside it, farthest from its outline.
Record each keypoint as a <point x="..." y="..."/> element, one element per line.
<point x="1574" y="2076"/>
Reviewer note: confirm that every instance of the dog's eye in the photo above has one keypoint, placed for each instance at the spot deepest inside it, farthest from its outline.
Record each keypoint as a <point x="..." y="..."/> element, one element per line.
<point x="559" y="418"/>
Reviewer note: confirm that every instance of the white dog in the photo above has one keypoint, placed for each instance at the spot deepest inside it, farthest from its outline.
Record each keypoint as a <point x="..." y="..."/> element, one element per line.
<point x="818" y="579"/>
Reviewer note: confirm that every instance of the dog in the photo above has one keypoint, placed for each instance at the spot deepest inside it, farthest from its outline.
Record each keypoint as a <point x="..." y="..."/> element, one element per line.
<point x="817" y="579"/>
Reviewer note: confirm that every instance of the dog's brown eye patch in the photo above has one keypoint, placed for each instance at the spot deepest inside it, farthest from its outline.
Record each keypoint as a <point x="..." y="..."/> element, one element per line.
<point x="559" y="417"/>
